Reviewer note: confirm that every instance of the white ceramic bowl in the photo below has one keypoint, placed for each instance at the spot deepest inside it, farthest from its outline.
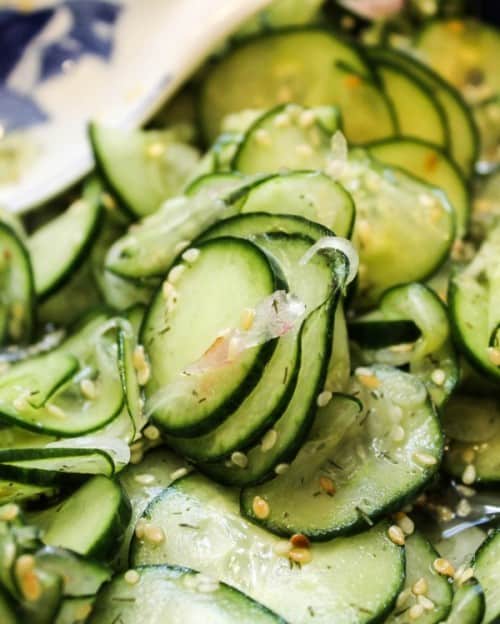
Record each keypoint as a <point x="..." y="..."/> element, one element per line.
<point x="112" y="60"/>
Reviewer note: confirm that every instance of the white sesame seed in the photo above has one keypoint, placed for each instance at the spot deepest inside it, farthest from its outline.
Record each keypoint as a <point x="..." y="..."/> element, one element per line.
<point x="9" y="512"/>
<point x="24" y="564"/>
<point x="181" y="246"/>
<point x="179" y="473"/>
<point x="144" y="479"/>
<point x="420" y="587"/>
<point x="415" y="612"/>
<point x="469" y="475"/>
<point x="424" y="459"/>
<point x="466" y="575"/>
<point x="396" y="535"/>
<point x="397" y="433"/>
<point x="404" y="347"/>
<point x="465" y="491"/>
<point x="143" y="375"/>
<point x="304" y="150"/>
<point x="463" y="508"/>
<point x="260" y="507"/>
<point x="131" y="577"/>
<point x="55" y="410"/>
<point x="405" y="523"/>
<point x="269" y="440"/>
<point x="494" y="356"/>
<point x="154" y="534"/>
<point x="438" y="377"/>
<point x="88" y="389"/>
<point x="239" y="459"/>
<point x="191" y="255"/>
<point x="167" y="290"/>
<point x="262" y="137"/>
<point x="175" y="273"/>
<point x="281" y="468"/>
<point x="151" y="432"/>
<point x="307" y="118"/>
<point x="403" y="598"/>
<point x="444" y="567"/>
<point x="426" y="603"/>
<point x="324" y="398"/>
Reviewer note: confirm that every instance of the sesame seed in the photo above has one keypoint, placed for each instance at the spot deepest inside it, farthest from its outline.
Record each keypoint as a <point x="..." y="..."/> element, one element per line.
<point x="494" y="356"/>
<point x="415" y="612"/>
<point x="191" y="255"/>
<point x="323" y="398"/>
<point x="136" y="457"/>
<point x="367" y="378"/>
<point x="465" y="491"/>
<point x="298" y="540"/>
<point x="155" y="150"/>
<point x="327" y="485"/>
<point x="405" y="523"/>
<point x="424" y="459"/>
<point x="260" y="508"/>
<point x="175" y="273"/>
<point x="397" y="433"/>
<point x="469" y="475"/>
<point x="463" y="508"/>
<point x="108" y="201"/>
<point x="55" y="410"/>
<point x="143" y="374"/>
<point x="144" y="479"/>
<point x="438" y="377"/>
<point x="247" y="318"/>
<point x="445" y="514"/>
<point x="154" y="534"/>
<point x="88" y="389"/>
<point x="300" y="555"/>
<point x="403" y="598"/>
<point x="469" y="455"/>
<point x="262" y="137"/>
<point x="396" y="535"/>
<point x="443" y="567"/>
<point x="168" y="290"/>
<point x="131" y="577"/>
<point x="179" y="473"/>
<point x="426" y="603"/>
<point x="139" y="528"/>
<point x="420" y="587"/>
<point x="268" y="440"/>
<point x="9" y="512"/>
<point x="304" y="150"/>
<point x="239" y="459"/>
<point x="282" y="120"/>
<point x="30" y="586"/>
<point x="24" y="564"/>
<point x="181" y="245"/>
<point x="404" y="347"/>
<point x="307" y="118"/>
<point x="281" y="468"/>
<point x="282" y="548"/>
<point x="466" y="575"/>
<point x="151" y="432"/>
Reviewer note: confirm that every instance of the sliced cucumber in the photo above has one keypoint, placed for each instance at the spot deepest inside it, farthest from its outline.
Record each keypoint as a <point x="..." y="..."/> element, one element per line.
<point x="313" y="285"/>
<point x="16" y="281"/>
<point x="418" y="113"/>
<point x="98" y="531"/>
<point x="371" y="471"/>
<point x="282" y="14"/>
<point x="311" y="195"/>
<point x="430" y="163"/>
<point x="351" y="580"/>
<point x="474" y="308"/>
<point x="167" y="595"/>
<point x="468" y="604"/>
<point x="7" y="612"/>
<point x="462" y="131"/>
<point x="175" y="336"/>
<point x="74" y="610"/>
<point x="272" y="145"/>
<point x="431" y="357"/>
<point x="127" y="344"/>
<point x="487" y="571"/>
<point x="311" y="67"/>
<point x="473" y="424"/>
<point x="420" y="556"/>
<point x="143" y="168"/>
<point x="14" y="491"/>
<point x="54" y="262"/>
<point x="403" y="230"/>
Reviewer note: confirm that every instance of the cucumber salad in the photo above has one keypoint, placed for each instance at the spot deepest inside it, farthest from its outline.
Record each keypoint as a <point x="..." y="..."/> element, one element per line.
<point x="250" y="367"/>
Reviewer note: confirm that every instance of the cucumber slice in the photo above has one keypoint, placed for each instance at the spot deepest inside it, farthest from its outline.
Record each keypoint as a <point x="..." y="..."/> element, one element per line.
<point x="462" y="130"/>
<point x="311" y="67"/>
<point x="371" y="471"/>
<point x="127" y="343"/>
<point x="312" y="284"/>
<point x="351" y="580"/>
<point x="460" y="547"/>
<point x="43" y="610"/>
<point x="431" y="357"/>
<point x="13" y="491"/>
<point x="7" y="613"/>
<point x="142" y="168"/>
<point x="143" y="482"/>
<point x="420" y="556"/>
<point x="191" y="405"/>
<point x="487" y="572"/>
<point x="473" y="300"/>
<point x="271" y="144"/>
<point x="473" y="424"/>
<point x="431" y="164"/>
<point x="311" y="195"/>
<point x="167" y="595"/>
<point x="403" y="230"/>
<point x="468" y="604"/>
<point x="16" y="280"/>
<point x="99" y="531"/>
<point x="54" y="263"/>
<point x="216" y="184"/>
<point x="74" y="610"/>
<point x="378" y="334"/>
<point x="418" y="113"/>
<point x="282" y="14"/>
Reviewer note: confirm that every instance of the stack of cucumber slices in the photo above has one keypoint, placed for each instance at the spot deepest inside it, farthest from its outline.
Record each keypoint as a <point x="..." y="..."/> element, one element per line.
<point x="250" y="367"/>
